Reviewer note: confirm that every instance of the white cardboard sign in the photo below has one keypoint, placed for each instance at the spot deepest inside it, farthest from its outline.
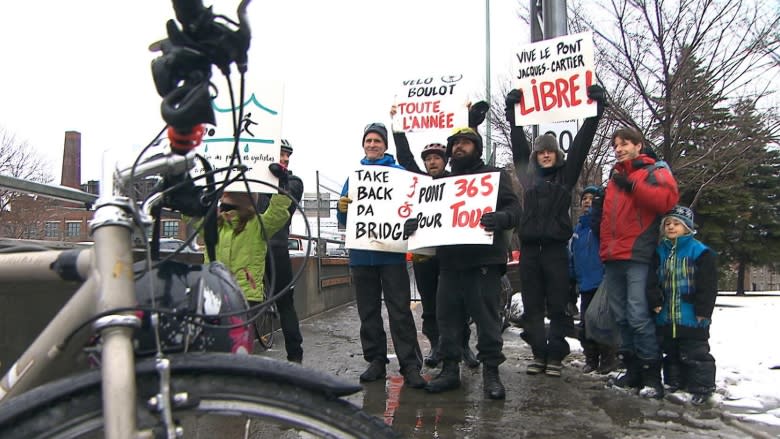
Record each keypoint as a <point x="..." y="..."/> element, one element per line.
<point x="431" y="102"/>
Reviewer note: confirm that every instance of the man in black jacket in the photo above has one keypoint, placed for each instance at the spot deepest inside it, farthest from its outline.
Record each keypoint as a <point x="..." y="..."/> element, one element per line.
<point x="278" y="263"/>
<point x="544" y="231"/>
<point x="470" y="276"/>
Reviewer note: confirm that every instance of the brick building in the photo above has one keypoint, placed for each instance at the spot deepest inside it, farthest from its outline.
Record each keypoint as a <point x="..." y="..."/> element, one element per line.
<point x="35" y="217"/>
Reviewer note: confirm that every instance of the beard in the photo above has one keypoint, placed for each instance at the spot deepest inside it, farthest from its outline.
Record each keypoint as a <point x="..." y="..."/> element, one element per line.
<point x="466" y="162"/>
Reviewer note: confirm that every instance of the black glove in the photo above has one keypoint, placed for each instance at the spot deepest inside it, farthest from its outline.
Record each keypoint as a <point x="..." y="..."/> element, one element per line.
<point x="493" y="221"/>
<point x="598" y="94"/>
<point x="512" y="98"/>
<point x="280" y="172"/>
<point x="622" y="182"/>
<point x="477" y="113"/>
<point x="410" y="226"/>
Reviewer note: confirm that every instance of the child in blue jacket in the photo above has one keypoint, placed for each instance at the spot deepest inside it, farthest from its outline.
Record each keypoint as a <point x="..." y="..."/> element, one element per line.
<point x="688" y="276"/>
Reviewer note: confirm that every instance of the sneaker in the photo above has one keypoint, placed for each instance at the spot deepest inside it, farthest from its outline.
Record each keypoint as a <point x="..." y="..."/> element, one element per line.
<point x="375" y="371"/>
<point x="553" y="369"/>
<point x="413" y="379"/>
<point x="700" y="398"/>
<point x="651" y="392"/>
<point x="536" y="366"/>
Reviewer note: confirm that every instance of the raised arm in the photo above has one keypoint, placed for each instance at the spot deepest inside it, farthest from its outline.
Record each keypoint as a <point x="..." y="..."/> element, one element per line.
<point x="583" y="141"/>
<point x="521" y="150"/>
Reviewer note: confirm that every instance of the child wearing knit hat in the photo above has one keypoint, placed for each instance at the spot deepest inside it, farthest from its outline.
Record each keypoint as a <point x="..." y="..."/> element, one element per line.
<point x="688" y="277"/>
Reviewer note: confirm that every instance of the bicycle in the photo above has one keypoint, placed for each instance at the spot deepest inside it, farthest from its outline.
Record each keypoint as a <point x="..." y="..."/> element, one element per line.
<point x="171" y="394"/>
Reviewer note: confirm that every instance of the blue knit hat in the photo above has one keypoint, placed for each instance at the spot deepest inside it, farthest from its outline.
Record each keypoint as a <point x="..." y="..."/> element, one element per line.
<point x="596" y="191"/>
<point x="683" y="214"/>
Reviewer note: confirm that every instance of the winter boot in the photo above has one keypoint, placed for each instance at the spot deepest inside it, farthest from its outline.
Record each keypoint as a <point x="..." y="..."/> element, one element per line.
<point x="413" y="379"/>
<point x="673" y="374"/>
<point x="448" y="378"/>
<point x="491" y="383"/>
<point x="651" y="379"/>
<point x="632" y="378"/>
<point x="469" y="358"/>
<point x="375" y="371"/>
<point x="536" y="366"/>
<point x="434" y="358"/>
<point x="608" y="359"/>
<point x="591" y="351"/>
<point x="553" y="368"/>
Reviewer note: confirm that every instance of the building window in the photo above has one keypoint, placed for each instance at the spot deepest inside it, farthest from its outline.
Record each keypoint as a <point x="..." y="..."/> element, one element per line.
<point x="51" y="229"/>
<point x="170" y="229"/>
<point x="73" y="229"/>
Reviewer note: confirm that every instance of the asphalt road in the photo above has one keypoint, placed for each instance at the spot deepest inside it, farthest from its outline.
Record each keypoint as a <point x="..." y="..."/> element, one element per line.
<point x="574" y="406"/>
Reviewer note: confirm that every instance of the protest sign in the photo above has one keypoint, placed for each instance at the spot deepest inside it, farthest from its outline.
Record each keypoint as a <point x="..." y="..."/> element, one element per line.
<point x="553" y="76"/>
<point x="431" y="103"/>
<point x="449" y="210"/>
<point x="382" y="200"/>
<point x="258" y="138"/>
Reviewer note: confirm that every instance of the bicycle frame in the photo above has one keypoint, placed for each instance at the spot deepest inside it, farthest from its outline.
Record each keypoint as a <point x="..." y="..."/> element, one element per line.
<point x="107" y="272"/>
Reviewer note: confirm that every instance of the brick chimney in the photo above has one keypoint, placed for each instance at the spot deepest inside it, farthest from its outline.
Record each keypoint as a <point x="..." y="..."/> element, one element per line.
<point x="71" y="160"/>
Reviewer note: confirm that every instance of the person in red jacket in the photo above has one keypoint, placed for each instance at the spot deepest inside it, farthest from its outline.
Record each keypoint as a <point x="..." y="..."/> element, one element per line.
<point x="640" y="191"/>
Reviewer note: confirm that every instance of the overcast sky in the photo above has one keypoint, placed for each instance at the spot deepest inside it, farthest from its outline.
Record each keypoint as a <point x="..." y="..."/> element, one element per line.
<point x="83" y="65"/>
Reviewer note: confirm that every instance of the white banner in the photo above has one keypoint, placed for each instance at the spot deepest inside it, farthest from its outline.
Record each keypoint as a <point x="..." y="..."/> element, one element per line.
<point x="554" y="76"/>
<point x="448" y="209"/>
<point x="431" y="103"/>
<point x="259" y="135"/>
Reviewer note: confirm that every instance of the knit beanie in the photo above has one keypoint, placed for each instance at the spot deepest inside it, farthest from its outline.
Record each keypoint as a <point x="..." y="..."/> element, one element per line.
<point x="378" y="128"/>
<point x="684" y="214"/>
<point x="596" y="191"/>
<point x="465" y="133"/>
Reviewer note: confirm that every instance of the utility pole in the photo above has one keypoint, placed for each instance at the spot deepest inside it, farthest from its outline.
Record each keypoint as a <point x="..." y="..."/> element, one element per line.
<point x="548" y="20"/>
<point x="487" y="80"/>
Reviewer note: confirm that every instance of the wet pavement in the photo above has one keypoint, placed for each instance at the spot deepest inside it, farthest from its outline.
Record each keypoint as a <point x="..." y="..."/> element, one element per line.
<point x="574" y="406"/>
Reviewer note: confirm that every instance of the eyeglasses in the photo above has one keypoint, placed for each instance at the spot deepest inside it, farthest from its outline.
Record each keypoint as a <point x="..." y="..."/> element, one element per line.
<point x="374" y="125"/>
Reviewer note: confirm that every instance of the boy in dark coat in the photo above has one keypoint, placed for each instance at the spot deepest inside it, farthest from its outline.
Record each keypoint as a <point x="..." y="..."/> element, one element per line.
<point x="687" y="274"/>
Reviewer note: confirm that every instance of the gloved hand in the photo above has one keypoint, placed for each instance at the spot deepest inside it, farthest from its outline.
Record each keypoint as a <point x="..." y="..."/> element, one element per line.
<point x="598" y="94"/>
<point x="622" y="182"/>
<point x="343" y="204"/>
<point x="512" y="98"/>
<point x="410" y="226"/>
<point x="493" y="221"/>
<point x="477" y="113"/>
<point x="281" y="173"/>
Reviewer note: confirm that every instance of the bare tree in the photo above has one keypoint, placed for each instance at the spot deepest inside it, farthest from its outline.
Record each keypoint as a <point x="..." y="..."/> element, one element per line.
<point x="19" y="159"/>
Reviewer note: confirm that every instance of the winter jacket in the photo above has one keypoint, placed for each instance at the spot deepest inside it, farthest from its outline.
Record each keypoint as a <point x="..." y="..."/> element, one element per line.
<point x="687" y="273"/>
<point x="547" y="197"/>
<point x="244" y="253"/>
<point x="462" y="256"/>
<point x="584" y="262"/>
<point x="629" y="221"/>
<point x="359" y="257"/>
<point x="295" y="188"/>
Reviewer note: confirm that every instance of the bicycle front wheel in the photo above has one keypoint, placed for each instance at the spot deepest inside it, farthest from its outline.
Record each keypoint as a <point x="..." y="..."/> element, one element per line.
<point x="211" y="401"/>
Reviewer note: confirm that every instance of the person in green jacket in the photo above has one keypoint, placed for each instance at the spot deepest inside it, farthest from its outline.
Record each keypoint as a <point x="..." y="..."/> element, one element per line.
<point x="242" y="241"/>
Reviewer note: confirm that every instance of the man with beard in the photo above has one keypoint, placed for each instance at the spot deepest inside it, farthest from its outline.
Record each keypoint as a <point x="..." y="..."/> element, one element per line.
<point x="544" y="230"/>
<point x="470" y="276"/>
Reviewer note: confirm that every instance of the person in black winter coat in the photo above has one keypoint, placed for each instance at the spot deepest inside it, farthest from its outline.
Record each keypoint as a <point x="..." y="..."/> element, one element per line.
<point x="426" y="268"/>
<point x="470" y="276"/>
<point x="544" y="231"/>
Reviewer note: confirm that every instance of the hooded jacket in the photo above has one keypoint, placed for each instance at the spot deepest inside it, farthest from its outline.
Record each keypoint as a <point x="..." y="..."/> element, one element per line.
<point x="243" y="253"/>
<point x="547" y="192"/>
<point x="687" y="274"/>
<point x="359" y="257"/>
<point x="630" y="220"/>
<point x="585" y="264"/>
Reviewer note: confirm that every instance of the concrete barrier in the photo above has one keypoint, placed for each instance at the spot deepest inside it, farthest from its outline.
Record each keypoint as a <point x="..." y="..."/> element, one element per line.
<point x="26" y="307"/>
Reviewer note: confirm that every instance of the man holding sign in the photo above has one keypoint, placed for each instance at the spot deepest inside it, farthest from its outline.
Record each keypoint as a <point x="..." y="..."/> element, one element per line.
<point x="470" y="274"/>
<point x="377" y="274"/>
<point x="545" y="228"/>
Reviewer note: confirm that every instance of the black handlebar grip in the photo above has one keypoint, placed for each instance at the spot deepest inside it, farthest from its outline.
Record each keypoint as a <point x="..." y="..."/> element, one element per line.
<point x="188" y="11"/>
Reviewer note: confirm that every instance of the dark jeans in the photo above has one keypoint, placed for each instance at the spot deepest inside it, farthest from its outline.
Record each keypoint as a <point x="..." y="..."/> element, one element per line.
<point x="544" y="273"/>
<point x="474" y="292"/>
<point x="372" y="283"/>
<point x="288" y="318"/>
<point x="426" y="276"/>
<point x="688" y="365"/>
<point x="626" y="283"/>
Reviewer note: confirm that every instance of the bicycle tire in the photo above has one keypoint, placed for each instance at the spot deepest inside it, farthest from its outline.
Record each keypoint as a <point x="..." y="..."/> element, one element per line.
<point x="249" y="403"/>
<point x="265" y="327"/>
